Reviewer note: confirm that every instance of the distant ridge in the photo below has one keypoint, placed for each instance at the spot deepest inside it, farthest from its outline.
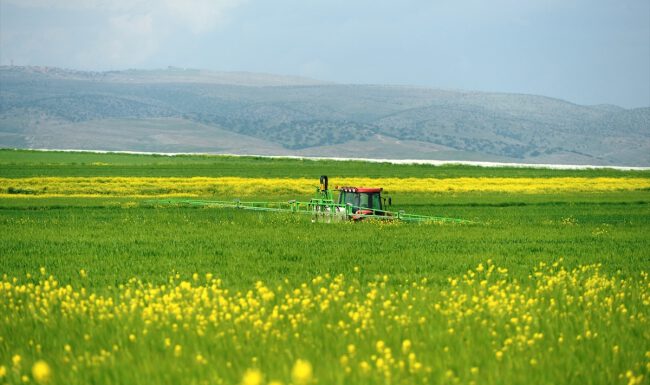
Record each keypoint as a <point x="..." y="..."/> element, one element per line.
<point x="169" y="75"/>
<point x="198" y="111"/>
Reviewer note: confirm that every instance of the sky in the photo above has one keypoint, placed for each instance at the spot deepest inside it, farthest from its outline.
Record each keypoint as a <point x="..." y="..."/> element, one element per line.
<point x="584" y="51"/>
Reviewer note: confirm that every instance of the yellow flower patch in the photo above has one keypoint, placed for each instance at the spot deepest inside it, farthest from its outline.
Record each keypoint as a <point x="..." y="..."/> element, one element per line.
<point x="237" y="186"/>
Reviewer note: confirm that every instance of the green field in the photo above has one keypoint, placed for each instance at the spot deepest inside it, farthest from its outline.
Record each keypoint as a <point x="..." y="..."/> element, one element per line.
<point x="572" y="308"/>
<point x="24" y="163"/>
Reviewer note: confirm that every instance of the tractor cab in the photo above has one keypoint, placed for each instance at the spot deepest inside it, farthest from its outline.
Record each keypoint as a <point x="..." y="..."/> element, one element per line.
<point x="365" y="199"/>
<point x="356" y="203"/>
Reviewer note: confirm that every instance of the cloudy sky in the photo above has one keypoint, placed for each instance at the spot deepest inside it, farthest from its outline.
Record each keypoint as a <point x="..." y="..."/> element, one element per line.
<point x="584" y="51"/>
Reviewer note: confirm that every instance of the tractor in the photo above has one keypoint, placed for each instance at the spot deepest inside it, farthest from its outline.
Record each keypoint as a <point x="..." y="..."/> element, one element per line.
<point x="354" y="203"/>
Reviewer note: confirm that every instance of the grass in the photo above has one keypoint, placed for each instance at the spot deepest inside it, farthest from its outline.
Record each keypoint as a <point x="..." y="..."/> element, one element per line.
<point x="24" y="163"/>
<point x="242" y="247"/>
<point x="565" y="284"/>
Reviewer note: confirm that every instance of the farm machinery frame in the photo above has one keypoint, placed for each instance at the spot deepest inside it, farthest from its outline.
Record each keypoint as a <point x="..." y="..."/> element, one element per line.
<point x="353" y="203"/>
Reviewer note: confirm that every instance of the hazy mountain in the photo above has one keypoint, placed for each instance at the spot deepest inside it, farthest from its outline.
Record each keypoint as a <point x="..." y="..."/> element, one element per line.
<point x="177" y="110"/>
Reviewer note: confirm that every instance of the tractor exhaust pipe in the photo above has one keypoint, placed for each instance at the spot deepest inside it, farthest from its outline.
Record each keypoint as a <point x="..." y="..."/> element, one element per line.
<point x="323" y="183"/>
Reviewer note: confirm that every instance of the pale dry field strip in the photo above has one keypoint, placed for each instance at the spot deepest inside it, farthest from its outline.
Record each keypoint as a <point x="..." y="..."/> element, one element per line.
<point x="237" y="186"/>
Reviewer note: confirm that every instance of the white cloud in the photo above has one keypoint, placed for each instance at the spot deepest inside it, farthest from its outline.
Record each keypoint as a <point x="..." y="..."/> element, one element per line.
<point x="132" y="30"/>
<point x="196" y="15"/>
<point x="199" y="15"/>
<point x="130" y="38"/>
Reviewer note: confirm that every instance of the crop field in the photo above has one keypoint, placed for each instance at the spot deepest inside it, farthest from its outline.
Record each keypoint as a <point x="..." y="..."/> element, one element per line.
<point x="548" y="285"/>
<point x="201" y="186"/>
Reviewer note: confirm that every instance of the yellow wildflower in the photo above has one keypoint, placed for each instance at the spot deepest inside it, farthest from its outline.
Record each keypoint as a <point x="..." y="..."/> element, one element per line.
<point x="302" y="372"/>
<point x="252" y="377"/>
<point x="41" y="372"/>
<point x="406" y="346"/>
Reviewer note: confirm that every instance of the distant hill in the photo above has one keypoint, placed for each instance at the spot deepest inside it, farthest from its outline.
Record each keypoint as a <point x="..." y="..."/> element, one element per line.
<point x="179" y="110"/>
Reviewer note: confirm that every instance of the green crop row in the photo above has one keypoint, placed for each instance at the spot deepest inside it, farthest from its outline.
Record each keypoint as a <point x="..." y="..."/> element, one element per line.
<point x="117" y="238"/>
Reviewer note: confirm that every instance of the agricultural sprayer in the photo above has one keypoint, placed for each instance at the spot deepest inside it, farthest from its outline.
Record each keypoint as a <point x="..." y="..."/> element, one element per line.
<point x="352" y="203"/>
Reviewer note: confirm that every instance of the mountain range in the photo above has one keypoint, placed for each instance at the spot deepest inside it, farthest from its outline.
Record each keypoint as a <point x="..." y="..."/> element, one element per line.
<point x="186" y="110"/>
